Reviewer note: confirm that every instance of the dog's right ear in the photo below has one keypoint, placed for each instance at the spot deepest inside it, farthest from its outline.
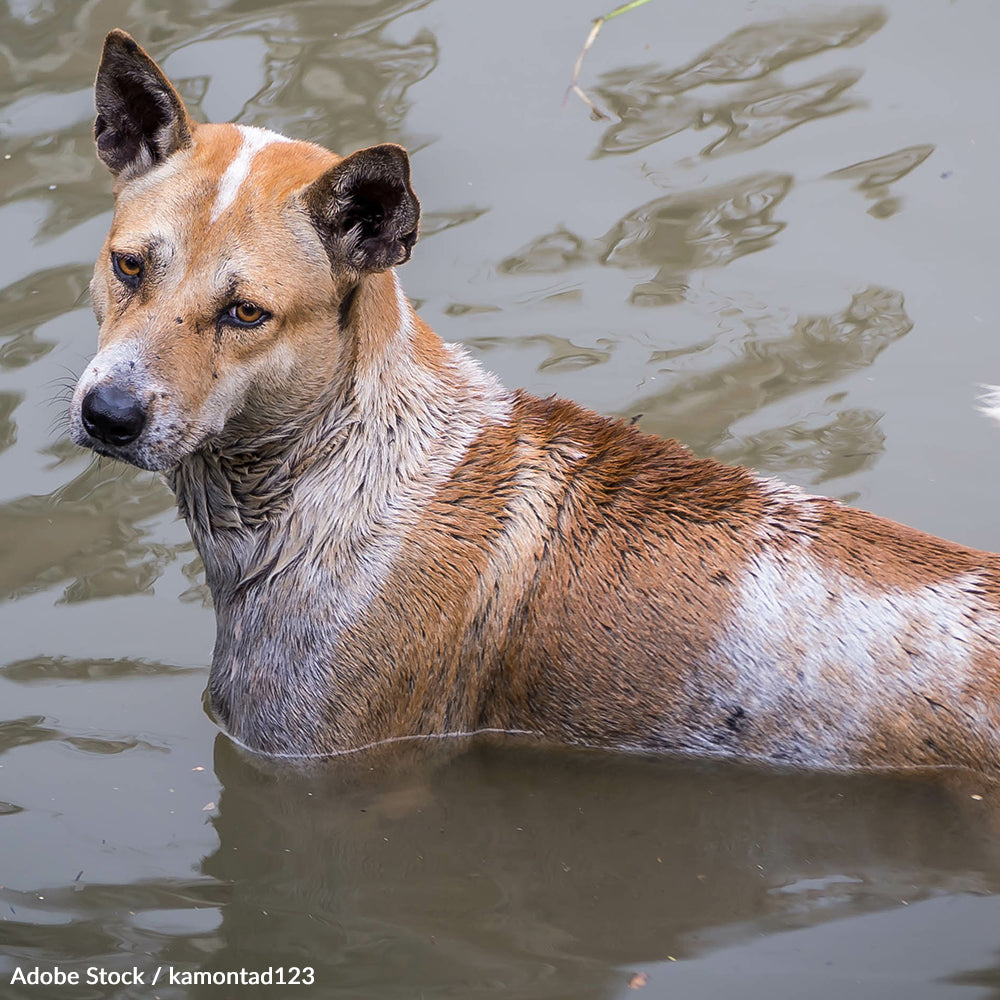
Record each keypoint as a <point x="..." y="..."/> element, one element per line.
<point x="141" y="119"/>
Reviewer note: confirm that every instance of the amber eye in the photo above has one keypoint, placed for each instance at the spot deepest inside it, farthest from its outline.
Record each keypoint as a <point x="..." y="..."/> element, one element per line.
<point x="246" y="314"/>
<point x="128" y="267"/>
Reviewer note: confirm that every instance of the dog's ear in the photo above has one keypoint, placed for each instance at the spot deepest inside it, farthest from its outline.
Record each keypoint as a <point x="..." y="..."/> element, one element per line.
<point x="365" y="210"/>
<point x="141" y="119"/>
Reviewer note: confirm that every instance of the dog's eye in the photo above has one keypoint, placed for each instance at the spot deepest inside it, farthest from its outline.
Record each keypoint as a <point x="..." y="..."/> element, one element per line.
<point x="246" y="314"/>
<point x="128" y="267"/>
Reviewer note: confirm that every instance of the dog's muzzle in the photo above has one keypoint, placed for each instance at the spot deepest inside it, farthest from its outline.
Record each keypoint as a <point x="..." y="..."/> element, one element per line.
<point x="112" y="416"/>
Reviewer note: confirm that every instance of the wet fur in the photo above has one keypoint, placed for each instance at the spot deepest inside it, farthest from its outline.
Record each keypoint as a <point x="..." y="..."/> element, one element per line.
<point x="398" y="546"/>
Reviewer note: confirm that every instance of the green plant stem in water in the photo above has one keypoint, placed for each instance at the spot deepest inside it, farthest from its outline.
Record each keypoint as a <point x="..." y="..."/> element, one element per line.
<point x="595" y="29"/>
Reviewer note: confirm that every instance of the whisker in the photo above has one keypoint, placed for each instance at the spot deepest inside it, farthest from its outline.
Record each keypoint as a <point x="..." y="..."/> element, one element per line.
<point x="68" y="372"/>
<point x="61" y="399"/>
<point x="60" y="422"/>
<point x="62" y="381"/>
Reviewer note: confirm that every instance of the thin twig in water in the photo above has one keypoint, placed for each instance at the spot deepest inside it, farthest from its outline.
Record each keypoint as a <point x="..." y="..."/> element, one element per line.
<point x="595" y="29"/>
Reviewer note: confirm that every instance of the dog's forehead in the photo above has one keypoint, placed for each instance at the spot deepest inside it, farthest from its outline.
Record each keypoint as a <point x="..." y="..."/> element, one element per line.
<point x="228" y="173"/>
<point x="255" y="166"/>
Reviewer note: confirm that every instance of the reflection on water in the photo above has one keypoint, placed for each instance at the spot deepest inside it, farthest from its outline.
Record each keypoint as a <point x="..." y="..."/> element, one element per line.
<point x="561" y="354"/>
<point x="759" y="114"/>
<point x="652" y="104"/>
<point x="873" y="177"/>
<point x="751" y="117"/>
<point x="679" y="233"/>
<point x="8" y="429"/>
<point x="700" y="408"/>
<point x="89" y="536"/>
<point x="104" y="921"/>
<point x="432" y="223"/>
<point x="337" y="79"/>
<point x="42" y="669"/>
<point x="706" y="228"/>
<point x="498" y="871"/>
<point x="27" y="304"/>
<point x="544" y="863"/>
<point x="552" y="253"/>
<point x="25" y="731"/>
<point x="814" y="450"/>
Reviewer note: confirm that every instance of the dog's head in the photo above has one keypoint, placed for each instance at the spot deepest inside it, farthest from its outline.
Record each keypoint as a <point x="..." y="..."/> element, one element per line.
<point x="232" y="249"/>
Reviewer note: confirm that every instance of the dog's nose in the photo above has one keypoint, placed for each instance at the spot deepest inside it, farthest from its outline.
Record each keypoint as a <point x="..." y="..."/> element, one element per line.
<point x="112" y="416"/>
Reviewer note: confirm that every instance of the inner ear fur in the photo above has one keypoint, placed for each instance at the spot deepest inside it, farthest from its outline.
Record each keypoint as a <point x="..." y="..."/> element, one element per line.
<point x="141" y="119"/>
<point x="365" y="210"/>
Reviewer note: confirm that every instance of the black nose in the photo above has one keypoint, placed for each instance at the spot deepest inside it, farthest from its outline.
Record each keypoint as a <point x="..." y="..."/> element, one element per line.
<point x="112" y="416"/>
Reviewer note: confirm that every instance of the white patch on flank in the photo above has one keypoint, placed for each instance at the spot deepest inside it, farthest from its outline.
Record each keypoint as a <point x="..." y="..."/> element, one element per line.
<point x="816" y="658"/>
<point x="254" y="140"/>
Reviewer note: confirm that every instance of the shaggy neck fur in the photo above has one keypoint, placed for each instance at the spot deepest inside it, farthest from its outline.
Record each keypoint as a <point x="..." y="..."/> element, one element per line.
<point x="316" y="510"/>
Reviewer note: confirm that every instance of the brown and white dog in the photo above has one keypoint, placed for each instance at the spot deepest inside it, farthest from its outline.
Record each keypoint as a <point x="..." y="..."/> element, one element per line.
<point x="397" y="546"/>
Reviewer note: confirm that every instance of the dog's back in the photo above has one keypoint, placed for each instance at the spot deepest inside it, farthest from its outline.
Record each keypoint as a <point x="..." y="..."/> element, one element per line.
<point x="579" y="578"/>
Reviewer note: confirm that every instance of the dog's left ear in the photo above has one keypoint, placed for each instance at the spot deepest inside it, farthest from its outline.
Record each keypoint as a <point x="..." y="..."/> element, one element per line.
<point x="141" y="119"/>
<point x="365" y="210"/>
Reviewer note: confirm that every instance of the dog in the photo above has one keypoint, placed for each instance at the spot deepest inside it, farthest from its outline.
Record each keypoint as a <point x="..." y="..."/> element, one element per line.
<point x="399" y="547"/>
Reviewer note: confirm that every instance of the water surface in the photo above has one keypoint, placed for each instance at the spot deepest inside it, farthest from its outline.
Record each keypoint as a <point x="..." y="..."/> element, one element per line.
<point x="779" y="247"/>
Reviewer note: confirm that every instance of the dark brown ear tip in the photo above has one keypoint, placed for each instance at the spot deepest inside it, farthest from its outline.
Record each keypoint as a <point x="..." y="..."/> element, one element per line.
<point x="384" y="152"/>
<point x="395" y="151"/>
<point x="117" y="38"/>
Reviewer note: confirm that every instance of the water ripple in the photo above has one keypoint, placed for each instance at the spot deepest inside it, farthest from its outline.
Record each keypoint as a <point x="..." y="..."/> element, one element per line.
<point x="652" y="104"/>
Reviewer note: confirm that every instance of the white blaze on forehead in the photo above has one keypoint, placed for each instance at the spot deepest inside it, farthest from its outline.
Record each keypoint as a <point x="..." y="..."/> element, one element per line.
<point x="254" y="140"/>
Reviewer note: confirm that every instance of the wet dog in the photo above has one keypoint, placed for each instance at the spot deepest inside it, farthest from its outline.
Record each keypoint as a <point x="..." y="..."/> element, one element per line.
<point x="398" y="546"/>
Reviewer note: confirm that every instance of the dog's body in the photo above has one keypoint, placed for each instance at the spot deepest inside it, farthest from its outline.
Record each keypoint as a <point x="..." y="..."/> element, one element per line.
<point x="398" y="546"/>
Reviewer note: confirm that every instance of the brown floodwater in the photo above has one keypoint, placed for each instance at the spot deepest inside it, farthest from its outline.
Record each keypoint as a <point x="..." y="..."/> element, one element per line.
<point x="780" y="247"/>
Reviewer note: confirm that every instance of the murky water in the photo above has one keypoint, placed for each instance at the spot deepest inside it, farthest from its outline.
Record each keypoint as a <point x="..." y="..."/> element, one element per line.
<point x="781" y="248"/>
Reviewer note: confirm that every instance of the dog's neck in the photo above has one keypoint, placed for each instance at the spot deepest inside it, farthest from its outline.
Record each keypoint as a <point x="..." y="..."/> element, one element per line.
<point x="383" y="431"/>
